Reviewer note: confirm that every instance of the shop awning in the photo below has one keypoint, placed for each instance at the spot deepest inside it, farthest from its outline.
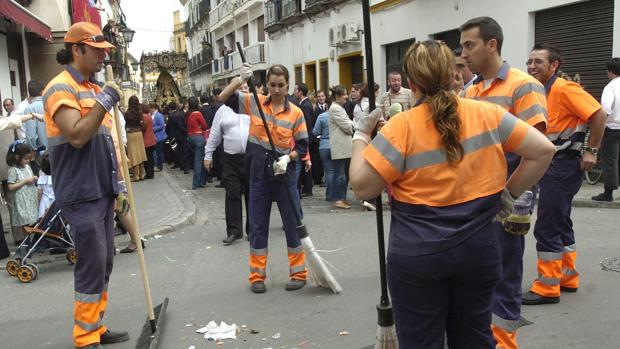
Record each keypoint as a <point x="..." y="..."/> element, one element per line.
<point x="15" y="12"/>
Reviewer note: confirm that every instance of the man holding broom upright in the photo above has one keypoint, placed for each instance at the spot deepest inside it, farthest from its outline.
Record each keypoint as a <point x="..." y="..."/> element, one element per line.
<point x="269" y="176"/>
<point x="85" y="179"/>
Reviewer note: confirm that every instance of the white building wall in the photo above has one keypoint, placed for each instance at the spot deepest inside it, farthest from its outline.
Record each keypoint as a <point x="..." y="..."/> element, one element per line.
<point x="309" y="42"/>
<point x="516" y="19"/>
<point x="418" y="19"/>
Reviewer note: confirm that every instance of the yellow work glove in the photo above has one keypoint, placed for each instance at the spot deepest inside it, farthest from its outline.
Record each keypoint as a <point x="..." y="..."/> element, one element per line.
<point x="518" y="222"/>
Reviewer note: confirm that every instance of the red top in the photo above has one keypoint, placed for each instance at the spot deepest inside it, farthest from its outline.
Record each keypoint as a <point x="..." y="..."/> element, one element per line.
<point x="148" y="134"/>
<point x="195" y="123"/>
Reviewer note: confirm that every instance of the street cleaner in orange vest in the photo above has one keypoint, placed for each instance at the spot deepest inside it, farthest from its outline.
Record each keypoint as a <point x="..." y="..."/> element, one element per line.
<point x="445" y="159"/>
<point x="82" y="154"/>
<point x="269" y="176"/>
<point x="524" y="97"/>
<point x="570" y="110"/>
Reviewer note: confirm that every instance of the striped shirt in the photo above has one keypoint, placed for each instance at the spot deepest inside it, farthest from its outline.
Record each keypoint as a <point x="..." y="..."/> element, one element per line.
<point x="403" y="96"/>
<point x="88" y="173"/>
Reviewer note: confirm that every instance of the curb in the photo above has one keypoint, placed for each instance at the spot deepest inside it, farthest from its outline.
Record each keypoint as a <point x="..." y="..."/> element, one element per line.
<point x="188" y="217"/>
<point x="595" y="204"/>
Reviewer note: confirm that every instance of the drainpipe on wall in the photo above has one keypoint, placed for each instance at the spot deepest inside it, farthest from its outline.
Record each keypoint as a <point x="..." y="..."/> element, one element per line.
<point x="25" y="53"/>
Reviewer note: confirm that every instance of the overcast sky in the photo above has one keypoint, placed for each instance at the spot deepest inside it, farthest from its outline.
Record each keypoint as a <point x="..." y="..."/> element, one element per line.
<point x="152" y="20"/>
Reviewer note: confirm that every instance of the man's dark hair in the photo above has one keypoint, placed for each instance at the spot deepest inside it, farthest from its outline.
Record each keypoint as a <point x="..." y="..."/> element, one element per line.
<point x="458" y="51"/>
<point x="489" y="29"/>
<point x="614" y="66"/>
<point x="393" y="73"/>
<point x="35" y="88"/>
<point x="172" y="105"/>
<point x="9" y="99"/>
<point x="154" y="106"/>
<point x="216" y="91"/>
<point x="554" y="53"/>
<point x="204" y="99"/>
<point x="45" y="164"/>
<point x="303" y="89"/>
<point x="65" y="56"/>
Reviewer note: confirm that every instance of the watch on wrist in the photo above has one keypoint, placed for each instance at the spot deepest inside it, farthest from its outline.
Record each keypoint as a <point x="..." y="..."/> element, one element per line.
<point x="594" y="151"/>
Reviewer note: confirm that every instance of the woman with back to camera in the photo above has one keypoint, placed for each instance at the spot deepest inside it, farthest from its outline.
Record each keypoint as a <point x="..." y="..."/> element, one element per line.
<point x="445" y="161"/>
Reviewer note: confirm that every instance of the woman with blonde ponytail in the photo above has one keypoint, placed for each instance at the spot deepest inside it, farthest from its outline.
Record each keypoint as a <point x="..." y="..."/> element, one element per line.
<point x="445" y="160"/>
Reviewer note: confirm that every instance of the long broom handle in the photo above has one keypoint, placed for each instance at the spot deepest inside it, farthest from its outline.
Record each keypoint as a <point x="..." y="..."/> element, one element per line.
<point x="132" y="207"/>
<point x="262" y="116"/>
<point x="370" y="80"/>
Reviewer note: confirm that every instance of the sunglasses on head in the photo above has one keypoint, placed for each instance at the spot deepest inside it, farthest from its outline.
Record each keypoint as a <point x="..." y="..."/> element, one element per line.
<point x="94" y="38"/>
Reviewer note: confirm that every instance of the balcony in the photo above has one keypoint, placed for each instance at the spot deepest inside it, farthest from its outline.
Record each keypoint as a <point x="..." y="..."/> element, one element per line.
<point x="254" y="54"/>
<point x="291" y="11"/>
<point x="273" y="15"/>
<point x="204" y="7"/>
<point x="226" y="9"/>
<point x="316" y="6"/>
<point x="201" y="62"/>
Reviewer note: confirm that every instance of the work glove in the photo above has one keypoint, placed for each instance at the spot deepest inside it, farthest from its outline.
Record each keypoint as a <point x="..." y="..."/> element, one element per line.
<point x="518" y="222"/>
<point x="122" y="205"/>
<point x="279" y="166"/>
<point x="246" y="73"/>
<point x="366" y="125"/>
<point x="109" y="96"/>
<point x="507" y="206"/>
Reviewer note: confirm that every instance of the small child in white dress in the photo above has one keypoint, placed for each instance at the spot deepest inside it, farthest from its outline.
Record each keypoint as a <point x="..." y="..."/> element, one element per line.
<point x="46" y="192"/>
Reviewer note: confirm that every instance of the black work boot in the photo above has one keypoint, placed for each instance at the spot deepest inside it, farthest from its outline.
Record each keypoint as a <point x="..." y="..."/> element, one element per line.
<point x="531" y="298"/>
<point x="294" y="284"/>
<point x="259" y="287"/>
<point x="110" y="337"/>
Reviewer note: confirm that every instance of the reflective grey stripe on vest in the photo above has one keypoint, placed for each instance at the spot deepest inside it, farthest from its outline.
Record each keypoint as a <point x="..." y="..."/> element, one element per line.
<point x="266" y="145"/>
<point x="528" y="88"/>
<point x="297" y="269"/>
<point x="259" y="271"/>
<point x="88" y="327"/>
<point x="58" y="140"/>
<point x="295" y="250"/>
<point x="301" y="135"/>
<point x="85" y="95"/>
<point x="258" y="251"/>
<point x="88" y="298"/>
<point x="391" y="154"/>
<point x="548" y="281"/>
<point x="438" y="156"/>
<point x="531" y="112"/>
<point x="566" y="133"/>
<point x="506" y="126"/>
<point x="505" y="101"/>
<point x="570" y="248"/>
<point x="56" y="88"/>
<point x="506" y="325"/>
<point x="549" y="256"/>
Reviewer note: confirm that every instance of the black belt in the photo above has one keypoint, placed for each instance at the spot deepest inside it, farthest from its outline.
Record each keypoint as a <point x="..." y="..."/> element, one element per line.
<point x="567" y="154"/>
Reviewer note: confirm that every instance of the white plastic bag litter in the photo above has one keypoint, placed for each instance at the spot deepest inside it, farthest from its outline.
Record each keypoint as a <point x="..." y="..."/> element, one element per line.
<point x="213" y="332"/>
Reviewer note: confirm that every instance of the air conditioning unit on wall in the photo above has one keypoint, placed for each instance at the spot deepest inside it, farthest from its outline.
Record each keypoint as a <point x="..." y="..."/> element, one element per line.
<point x="349" y="32"/>
<point x="335" y="37"/>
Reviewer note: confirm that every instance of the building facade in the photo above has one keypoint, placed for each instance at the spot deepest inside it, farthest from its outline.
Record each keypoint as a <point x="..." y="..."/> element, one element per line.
<point x="316" y="39"/>
<point x="199" y="48"/>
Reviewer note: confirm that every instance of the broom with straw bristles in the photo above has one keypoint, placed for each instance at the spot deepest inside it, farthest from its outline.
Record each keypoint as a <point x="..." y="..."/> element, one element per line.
<point x="316" y="266"/>
<point x="386" y="333"/>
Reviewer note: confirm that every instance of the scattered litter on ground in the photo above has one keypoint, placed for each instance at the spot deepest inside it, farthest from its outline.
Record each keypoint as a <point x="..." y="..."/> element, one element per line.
<point x="208" y="247"/>
<point x="301" y="344"/>
<point x="170" y="259"/>
<point x="192" y="347"/>
<point x="253" y="331"/>
<point x="132" y="274"/>
<point x="117" y="250"/>
<point x="213" y="332"/>
<point x="276" y="336"/>
<point x="157" y="237"/>
<point x="344" y="333"/>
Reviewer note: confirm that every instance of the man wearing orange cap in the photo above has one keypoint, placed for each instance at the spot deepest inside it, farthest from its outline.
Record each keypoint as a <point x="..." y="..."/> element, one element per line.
<point x="79" y="126"/>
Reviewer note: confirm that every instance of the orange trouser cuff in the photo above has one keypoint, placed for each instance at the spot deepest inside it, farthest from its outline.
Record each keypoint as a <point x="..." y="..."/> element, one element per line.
<point x="297" y="264"/>
<point x="504" y="339"/>
<point x="88" y="313"/>
<point x="549" y="274"/>
<point x="570" y="276"/>
<point x="258" y="265"/>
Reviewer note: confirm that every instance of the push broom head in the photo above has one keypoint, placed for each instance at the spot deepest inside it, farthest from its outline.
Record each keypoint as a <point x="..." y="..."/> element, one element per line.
<point x="151" y="331"/>
<point x="386" y="333"/>
<point x="319" y="273"/>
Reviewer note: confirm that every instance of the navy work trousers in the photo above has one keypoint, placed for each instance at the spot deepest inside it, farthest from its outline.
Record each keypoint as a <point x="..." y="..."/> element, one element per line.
<point x="92" y="225"/>
<point x="558" y="187"/>
<point x="448" y="292"/>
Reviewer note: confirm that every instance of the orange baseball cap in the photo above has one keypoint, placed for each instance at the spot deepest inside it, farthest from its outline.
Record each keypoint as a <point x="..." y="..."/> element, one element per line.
<point x="87" y="33"/>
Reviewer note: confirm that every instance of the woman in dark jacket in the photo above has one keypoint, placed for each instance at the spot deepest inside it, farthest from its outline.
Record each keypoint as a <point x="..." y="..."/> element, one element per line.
<point x="135" y="142"/>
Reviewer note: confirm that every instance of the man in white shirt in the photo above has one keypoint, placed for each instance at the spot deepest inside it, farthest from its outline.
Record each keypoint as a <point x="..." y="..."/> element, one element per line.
<point x="610" y="101"/>
<point x="232" y="129"/>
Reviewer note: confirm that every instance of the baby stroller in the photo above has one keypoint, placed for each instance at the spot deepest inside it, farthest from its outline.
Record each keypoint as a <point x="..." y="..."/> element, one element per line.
<point x="52" y="234"/>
